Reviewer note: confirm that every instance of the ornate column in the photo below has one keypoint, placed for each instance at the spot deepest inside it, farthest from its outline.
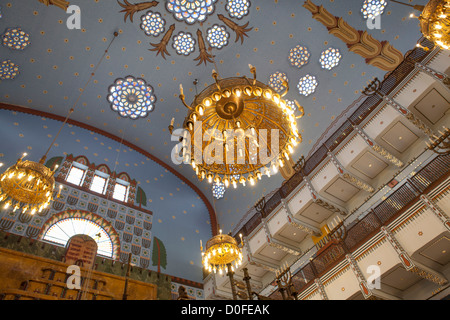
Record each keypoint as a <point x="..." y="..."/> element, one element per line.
<point x="409" y="264"/>
<point x="357" y="182"/>
<point x="110" y="185"/>
<point x="377" y="148"/>
<point x="321" y="289"/>
<point x="374" y="89"/>
<point x="367" y="293"/>
<point x="132" y="192"/>
<point x="89" y="175"/>
<point x="63" y="170"/>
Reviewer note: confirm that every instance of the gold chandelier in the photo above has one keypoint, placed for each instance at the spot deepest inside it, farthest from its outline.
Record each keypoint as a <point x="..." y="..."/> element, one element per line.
<point x="434" y="21"/>
<point x="27" y="185"/>
<point x="222" y="253"/>
<point x="239" y="129"/>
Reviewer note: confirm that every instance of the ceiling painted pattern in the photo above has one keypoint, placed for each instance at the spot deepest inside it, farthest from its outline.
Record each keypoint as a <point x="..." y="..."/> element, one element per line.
<point x="58" y="62"/>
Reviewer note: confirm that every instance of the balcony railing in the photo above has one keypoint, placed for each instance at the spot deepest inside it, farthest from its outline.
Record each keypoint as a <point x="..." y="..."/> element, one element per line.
<point x="393" y="79"/>
<point x="361" y="231"/>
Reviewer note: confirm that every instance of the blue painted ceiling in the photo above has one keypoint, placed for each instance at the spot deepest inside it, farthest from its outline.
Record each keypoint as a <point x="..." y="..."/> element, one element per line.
<point x="59" y="61"/>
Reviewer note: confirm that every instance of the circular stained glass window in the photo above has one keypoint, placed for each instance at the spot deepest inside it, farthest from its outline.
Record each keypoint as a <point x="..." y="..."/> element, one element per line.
<point x="131" y="97"/>
<point x="238" y="8"/>
<point x="8" y="70"/>
<point x="276" y="81"/>
<point x="184" y="43"/>
<point x="152" y="23"/>
<point x="299" y="56"/>
<point x="330" y="58"/>
<point x="217" y="36"/>
<point x="307" y="85"/>
<point x="373" y="8"/>
<point x="191" y="11"/>
<point x="16" y="38"/>
<point x="218" y="190"/>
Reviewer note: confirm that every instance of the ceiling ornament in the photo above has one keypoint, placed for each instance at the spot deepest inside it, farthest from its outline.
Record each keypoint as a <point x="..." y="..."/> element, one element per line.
<point x="330" y="58"/>
<point x="130" y="9"/>
<point x="434" y="21"/>
<point x="131" y="98"/>
<point x="187" y="13"/>
<point x="299" y="56"/>
<point x="238" y="8"/>
<point x="218" y="190"/>
<point x="307" y="85"/>
<point x="217" y="36"/>
<point x="28" y="185"/>
<point x="16" y="39"/>
<point x="378" y="54"/>
<point x="58" y="3"/>
<point x="183" y="43"/>
<point x="237" y="127"/>
<point x="191" y="11"/>
<point x="277" y="80"/>
<point x="204" y="56"/>
<point x="152" y="23"/>
<point x="373" y="8"/>
<point x="8" y="70"/>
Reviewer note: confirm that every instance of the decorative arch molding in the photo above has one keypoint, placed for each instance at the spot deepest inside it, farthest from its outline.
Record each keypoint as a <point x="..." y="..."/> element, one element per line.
<point x="81" y="214"/>
<point x="212" y="214"/>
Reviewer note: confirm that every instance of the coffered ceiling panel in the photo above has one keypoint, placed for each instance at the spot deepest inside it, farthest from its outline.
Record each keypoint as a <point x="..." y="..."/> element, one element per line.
<point x="342" y="190"/>
<point x="433" y="106"/>
<point x="399" y="137"/>
<point x="369" y="165"/>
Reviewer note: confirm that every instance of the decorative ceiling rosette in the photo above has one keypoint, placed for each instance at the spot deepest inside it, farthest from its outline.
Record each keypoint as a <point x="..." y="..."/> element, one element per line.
<point x="16" y="39"/>
<point x="299" y="56"/>
<point x="131" y="98"/>
<point x="373" y="8"/>
<point x="8" y="70"/>
<point x="278" y="81"/>
<point x="191" y="11"/>
<point x="189" y="16"/>
<point x="152" y="23"/>
<point x="330" y="58"/>
<point x="307" y="85"/>
<point x="238" y="8"/>
<point x="217" y="36"/>
<point x="218" y="190"/>
<point x="184" y="43"/>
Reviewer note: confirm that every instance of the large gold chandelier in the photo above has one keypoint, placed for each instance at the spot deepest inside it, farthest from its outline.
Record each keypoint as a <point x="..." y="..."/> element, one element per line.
<point x="239" y="129"/>
<point x="221" y="254"/>
<point x="27" y="185"/>
<point x="435" y="22"/>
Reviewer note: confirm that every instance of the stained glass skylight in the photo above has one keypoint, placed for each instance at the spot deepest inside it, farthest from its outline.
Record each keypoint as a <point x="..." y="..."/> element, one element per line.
<point x="238" y="8"/>
<point x="16" y="38"/>
<point x="152" y="23"/>
<point x="132" y="97"/>
<point x="184" y="43"/>
<point x="191" y="11"/>
<point x="63" y="230"/>
<point x="307" y="85"/>
<point x="373" y="8"/>
<point x="299" y="56"/>
<point x="217" y="36"/>
<point x="330" y="58"/>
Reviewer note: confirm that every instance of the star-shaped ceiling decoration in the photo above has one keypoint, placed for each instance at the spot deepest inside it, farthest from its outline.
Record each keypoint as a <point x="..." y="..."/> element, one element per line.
<point x="190" y="15"/>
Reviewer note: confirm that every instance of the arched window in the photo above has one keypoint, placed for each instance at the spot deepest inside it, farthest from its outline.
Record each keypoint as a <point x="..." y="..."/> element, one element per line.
<point x="61" y="231"/>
